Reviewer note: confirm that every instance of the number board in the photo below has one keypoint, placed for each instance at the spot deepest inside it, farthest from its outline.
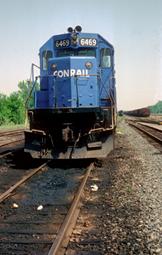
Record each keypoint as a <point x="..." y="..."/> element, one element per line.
<point x="82" y="41"/>
<point x="62" y="43"/>
<point x="88" y="42"/>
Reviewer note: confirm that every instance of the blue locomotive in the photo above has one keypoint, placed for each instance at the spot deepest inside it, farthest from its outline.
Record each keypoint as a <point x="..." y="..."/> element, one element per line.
<point x="75" y="107"/>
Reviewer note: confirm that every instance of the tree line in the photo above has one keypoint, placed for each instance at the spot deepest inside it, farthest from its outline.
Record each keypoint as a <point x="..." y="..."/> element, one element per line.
<point x="12" y="107"/>
<point x="157" y="108"/>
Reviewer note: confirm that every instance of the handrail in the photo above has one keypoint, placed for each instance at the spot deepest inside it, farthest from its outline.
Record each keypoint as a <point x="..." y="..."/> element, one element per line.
<point x="33" y="81"/>
<point x="30" y="93"/>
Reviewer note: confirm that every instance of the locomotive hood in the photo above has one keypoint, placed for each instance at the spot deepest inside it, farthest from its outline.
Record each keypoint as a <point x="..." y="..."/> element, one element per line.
<point x="74" y="81"/>
<point x="72" y="66"/>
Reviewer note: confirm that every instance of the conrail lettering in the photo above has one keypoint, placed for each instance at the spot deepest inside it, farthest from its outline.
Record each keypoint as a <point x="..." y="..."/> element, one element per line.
<point x="70" y="73"/>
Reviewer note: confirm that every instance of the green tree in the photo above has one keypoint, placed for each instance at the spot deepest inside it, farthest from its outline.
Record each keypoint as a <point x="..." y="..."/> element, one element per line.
<point x="15" y="106"/>
<point x="157" y="108"/>
<point x="26" y="91"/>
<point x="4" y="112"/>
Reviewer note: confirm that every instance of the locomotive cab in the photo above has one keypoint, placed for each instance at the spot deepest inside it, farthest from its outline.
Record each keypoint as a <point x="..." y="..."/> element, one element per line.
<point x="75" y="108"/>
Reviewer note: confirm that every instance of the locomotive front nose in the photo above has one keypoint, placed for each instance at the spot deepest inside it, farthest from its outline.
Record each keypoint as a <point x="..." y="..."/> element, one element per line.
<point x="73" y="82"/>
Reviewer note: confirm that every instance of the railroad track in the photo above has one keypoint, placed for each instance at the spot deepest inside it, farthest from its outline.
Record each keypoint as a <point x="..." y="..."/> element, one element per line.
<point x="11" y="132"/>
<point x="149" y="120"/>
<point x="5" y="154"/>
<point x="12" y="142"/>
<point x="10" y="147"/>
<point x="37" y="213"/>
<point x="151" y="131"/>
<point x="9" y="140"/>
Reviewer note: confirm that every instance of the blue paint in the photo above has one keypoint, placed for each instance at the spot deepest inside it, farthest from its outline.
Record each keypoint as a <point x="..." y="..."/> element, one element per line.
<point x="66" y="82"/>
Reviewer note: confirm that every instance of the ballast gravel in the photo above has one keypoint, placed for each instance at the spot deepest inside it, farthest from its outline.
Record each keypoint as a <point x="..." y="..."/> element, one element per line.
<point x="123" y="215"/>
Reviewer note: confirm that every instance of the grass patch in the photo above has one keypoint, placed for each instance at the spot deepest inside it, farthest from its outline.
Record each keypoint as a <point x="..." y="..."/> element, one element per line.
<point x="11" y="126"/>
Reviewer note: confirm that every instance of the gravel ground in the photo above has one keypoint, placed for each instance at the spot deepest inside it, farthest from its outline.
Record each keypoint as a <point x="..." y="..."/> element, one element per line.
<point x="150" y="190"/>
<point x="35" y="212"/>
<point x="123" y="215"/>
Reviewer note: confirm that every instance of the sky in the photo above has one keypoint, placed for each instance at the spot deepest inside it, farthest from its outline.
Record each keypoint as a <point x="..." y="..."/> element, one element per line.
<point x="134" y="27"/>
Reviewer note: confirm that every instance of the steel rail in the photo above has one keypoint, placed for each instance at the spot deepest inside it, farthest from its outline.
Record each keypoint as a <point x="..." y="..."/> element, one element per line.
<point x="8" y="192"/>
<point x="5" y="154"/>
<point x="67" y="221"/>
<point x="4" y="144"/>
<point x="151" y="127"/>
<point x="159" y="140"/>
<point x="12" y="132"/>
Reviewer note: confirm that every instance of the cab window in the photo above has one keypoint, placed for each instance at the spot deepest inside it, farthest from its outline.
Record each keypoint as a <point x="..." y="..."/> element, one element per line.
<point x="89" y="52"/>
<point x="45" y="56"/>
<point x="105" y="58"/>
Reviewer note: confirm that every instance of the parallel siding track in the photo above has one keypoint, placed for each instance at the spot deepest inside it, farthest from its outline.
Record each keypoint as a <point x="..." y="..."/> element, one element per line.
<point x="10" y="140"/>
<point x="150" y="131"/>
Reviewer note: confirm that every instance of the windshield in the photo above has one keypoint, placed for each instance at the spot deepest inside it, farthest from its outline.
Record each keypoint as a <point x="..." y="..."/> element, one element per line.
<point x="77" y="52"/>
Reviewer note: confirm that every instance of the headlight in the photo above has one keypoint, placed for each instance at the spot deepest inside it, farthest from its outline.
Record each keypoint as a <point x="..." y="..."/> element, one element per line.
<point x="78" y="28"/>
<point x="53" y="67"/>
<point x="88" y="65"/>
<point x="70" y="29"/>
